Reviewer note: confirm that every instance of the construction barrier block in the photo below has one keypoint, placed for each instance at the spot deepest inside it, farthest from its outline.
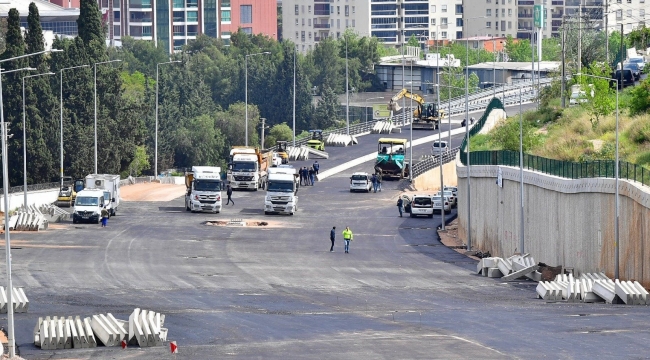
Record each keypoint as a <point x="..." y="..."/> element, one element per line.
<point x="48" y="341"/>
<point x="74" y="335"/>
<point x="505" y="266"/>
<point x="643" y="293"/>
<point x="135" y="330"/>
<point x="479" y="266"/>
<point x="90" y="334"/>
<point x="118" y="326"/>
<point x="494" y="273"/>
<point x="102" y="331"/>
<point x="37" y="331"/>
<point x="520" y="273"/>
<point x="25" y="301"/>
<point x="490" y="262"/>
<point x="535" y="276"/>
<point x="605" y="290"/>
<point x="145" y="327"/>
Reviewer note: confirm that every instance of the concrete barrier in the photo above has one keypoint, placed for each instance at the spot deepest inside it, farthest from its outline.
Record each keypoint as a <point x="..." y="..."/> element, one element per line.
<point x="605" y="289"/>
<point x="19" y="299"/>
<point x="104" y="332"/>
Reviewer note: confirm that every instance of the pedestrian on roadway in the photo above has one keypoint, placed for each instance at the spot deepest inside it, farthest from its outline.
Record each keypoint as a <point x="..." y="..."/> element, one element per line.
<point x="311" y="172"/>
<point x="302" y="176"/>
<point x="229" y="193"/>
<point x="316" y="167"/>
<point x="306" y="171"/>
<point x="104" y="215"/>
<point x="373" y="180"/>
<point x="332" y="237"/>
<point x="379" y="181"/>
<point x="400" y="206"/>
<point x="347" y="236"/>
<point x="463" y="123"/>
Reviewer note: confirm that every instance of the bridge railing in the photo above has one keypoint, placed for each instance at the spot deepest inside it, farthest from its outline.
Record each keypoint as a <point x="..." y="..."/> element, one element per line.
<point x="433" y="161"/>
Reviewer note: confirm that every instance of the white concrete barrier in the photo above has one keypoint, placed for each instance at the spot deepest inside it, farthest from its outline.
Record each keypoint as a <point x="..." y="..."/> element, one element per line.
<point x="104" y="333"/>
<point x="605" y="289"/>
<point x="19" y="299"/>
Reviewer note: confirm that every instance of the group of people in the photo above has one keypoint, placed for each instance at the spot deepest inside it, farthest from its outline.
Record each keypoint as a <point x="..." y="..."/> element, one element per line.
<point x="376" y="179"/>
<point x="464" y="122"/>
<point x="307" y="174"/>
<point x="347" y="237"/>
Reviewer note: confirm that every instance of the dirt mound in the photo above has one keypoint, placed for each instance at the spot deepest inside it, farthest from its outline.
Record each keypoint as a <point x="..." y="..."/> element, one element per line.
<point x="151" y="192"/>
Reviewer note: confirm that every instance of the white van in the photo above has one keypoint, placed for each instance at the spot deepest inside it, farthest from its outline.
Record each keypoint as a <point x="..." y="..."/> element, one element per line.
<point x="88" y="206"/>
<point x="439" y="147"/>
<point x="421" y="205"/>
<point x="360" y="181"/>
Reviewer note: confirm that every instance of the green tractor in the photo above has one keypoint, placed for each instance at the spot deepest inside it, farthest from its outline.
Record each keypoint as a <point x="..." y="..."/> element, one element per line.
<point x="316" y="140"/>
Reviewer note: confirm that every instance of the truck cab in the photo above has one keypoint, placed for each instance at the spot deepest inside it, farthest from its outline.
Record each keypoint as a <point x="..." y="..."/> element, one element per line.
<point x="247" y="168"/>
<point x="203" y="189"/>
<point x="281" y="191"/>
<point x="88" y="206"/>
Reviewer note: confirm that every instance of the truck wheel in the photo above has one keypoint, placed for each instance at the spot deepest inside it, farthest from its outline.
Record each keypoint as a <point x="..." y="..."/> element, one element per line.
<point x="351" y="190"/>
<point x="266" y="212"/>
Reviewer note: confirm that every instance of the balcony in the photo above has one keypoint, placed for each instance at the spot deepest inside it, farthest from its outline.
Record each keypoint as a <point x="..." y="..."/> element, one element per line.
<point x="317" y="38"/>
<point x="321" y="26"/>
<point x="526" y="2"/>
<point x="321" y="12"/>
<point x="557" y="3"/>
<point x="525" y="15"/>
<point x="557" y="15"/>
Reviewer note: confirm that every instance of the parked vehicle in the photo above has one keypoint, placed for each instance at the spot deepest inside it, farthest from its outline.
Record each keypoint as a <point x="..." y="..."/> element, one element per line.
<point x="638" y="60"/>
<point x="421" y="205"/>
<point x="281" y="191"/>
<point x="248" y="168"/>
<point x="626" y="80"/>
<point x="635" y="68"/>
<point x="453" y="189"/>
<point x="276" y="160"/>
<point x="88" y="206"/>
<point x="203" y="189"/>
<point x="390" y="158"/>
<point x="360" y="181"/>
<point x="439" y="147"/>
<point x="109" y="184"/>
<point x="450" y="196"/>
<point x="316" y="140"/>
<point x="440" y="204"/>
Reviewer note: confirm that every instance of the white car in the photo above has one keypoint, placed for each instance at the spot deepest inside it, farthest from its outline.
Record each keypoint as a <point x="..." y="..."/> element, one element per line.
<point x="449" y="195"/>
<point x="421" y="205"/>
<point x="276" y="160"/>
<point x="439" y="147"/>
<point x="440" y="204"/>
<point x="360" y="181"/>
<point x="453" y="189"/>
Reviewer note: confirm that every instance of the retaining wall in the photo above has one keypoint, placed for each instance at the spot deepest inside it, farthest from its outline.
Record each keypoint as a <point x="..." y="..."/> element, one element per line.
<point x="38" y="198"/>
<point x="566" y="222"/>
<point x="430" y="180"/>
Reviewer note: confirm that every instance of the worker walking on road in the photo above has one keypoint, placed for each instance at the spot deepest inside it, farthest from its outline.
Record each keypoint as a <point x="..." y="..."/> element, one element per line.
<point x="104" y="216"/>
<point x="302" y="176"/>
<point x="373" y="180"/>
<point x="347" y="236"/>
<point x="379" y="181"/>
<point x="332" y="237"/>
<point x="316" y="167"/>
<point x="229" y="193"/>
<point x="311" y="172"/>
<point x="400" y="206"/>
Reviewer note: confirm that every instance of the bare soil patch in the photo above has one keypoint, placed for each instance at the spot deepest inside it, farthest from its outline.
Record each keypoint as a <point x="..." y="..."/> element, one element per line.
<point x="450" y="239"/>
<point x="151" y="192"/>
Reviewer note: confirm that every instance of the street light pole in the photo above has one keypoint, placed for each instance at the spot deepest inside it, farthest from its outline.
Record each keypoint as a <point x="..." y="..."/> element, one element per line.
<point x="442" y="186"/>
<point x="411" y="130"/>
<point x="61" y="111"/>
<point x="521" y="175"/>
<point x="155" y="171"/>
<point x="95" y="66"/>
<point x="347" y="88"/>
<point x="294" y="96"/>
<point x="469" y="174"/>
<point x="11" y="341"/>
<point x="25" y="140"/>
<point x="246" y="89"/>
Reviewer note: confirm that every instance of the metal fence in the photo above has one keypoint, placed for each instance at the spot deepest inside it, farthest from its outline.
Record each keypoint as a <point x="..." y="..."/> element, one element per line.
<point x="433" y="161"/>
<point x="33" y="187"/>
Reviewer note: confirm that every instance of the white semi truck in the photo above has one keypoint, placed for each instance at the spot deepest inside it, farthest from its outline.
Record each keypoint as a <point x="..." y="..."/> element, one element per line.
<point x="110" y="185"/>
<point x="248" y="168"/>
<point x="281" y="189"/>
<point x="203" y="189"/>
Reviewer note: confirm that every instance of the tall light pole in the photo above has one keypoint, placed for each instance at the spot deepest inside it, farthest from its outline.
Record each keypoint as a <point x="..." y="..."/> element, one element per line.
<point x="469" y="169"/>
<point x="5" y="188"/>
<point x="372" y="98"/>
<point x="25" y="140"/>
<point x="61" y="111"/>
<point x="411" y="129"/>
<point x="347" y="87"/>
<point x="246" y="90"/>
<point x="155" y="171"/>
<point x="521" y="175"/>
<point x="616" y="172"/>
<point x="442" y="183"/>
<point x="95" y="66"/>
<point x="294" y="95"/>
<point x="404" y="80"/>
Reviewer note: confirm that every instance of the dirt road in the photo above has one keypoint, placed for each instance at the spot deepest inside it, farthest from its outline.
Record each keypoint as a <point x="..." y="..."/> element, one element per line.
<point x="151" y="192"/>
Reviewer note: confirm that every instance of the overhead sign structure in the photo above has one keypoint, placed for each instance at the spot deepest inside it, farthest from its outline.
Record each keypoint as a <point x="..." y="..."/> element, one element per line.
<point x="538" y="16"/>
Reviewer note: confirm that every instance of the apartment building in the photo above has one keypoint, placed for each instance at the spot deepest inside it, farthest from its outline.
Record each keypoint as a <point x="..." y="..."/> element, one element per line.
<point x="515" y="17"/>
<point x="306" y="22"/>
<point x="70" y="4"/>
<point x="252" y="16"/>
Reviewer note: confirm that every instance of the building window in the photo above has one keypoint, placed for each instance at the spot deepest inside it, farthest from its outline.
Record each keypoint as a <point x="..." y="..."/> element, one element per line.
<point x="629" y="13"/>
<point x="296" y="9"/>
<point x="443" y="21"/>
<point x="338" y="23"/>
<point x="459" y="22"/>
<point x="225" y="15"/>
<point x="347" y="23"/>
<point x="246" y="14"/>
<point x="509" y="12"/>
<point x="303" y="21"/>
<point x="459" y="9"/>
<point x="179" y="16"/>
<point x="641" y="12"/>
<point x="225" y="3"/>
<point x="433" y="21"/>
<point x="297" y="22"/>
<point x="296" y="35"/>
<point x="353" y="10"/>
<point x="247" y="30"/>
<point x="433" y="8"/>
<point x="353" y="23"/>
<point x="347" y="10"/>
<point x="179" y="3"/>
<point x="443" y="34"/>
<point x="309" y="22"/>
<point x="193" y="16"/>
<point x="146" y="31"/>
<point x="302" y="36"/>
<point x="488" y="12"/>
<point x="189" y="3"/>
<point x="509" y="24"/>
<point x="338" y="10"/>
<point x="488" y="24"/>
<point x="619" y="14"/>
<point x="310" y="35"/>
<point x="179" y="30"/>
<point x="443" y="8"/>
<point x="309" y="9"/>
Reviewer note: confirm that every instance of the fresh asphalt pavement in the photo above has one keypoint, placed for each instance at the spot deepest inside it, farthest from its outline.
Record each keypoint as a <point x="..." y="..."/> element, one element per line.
<point x="277" y="292"/>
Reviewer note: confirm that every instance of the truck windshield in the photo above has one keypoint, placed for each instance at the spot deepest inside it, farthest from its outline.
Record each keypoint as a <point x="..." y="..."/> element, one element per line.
<point x="86" y="201"/>
<point x="279" y="186"/>
<point x="207" y="185"/>
<point x="243" y="166"/>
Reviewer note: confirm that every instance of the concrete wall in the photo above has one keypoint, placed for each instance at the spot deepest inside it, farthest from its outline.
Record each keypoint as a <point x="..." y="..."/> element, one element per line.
<point x="39" y="197"/>
<point x="567" y="222"/>
<point x="430" y="180"/>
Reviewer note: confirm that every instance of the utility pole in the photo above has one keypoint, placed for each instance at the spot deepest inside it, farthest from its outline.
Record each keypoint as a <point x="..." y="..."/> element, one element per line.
<point x="263" y="120"/>
<point x="580" y="38"/>
<point x="606" y="32"/>
<point x="563" y="88"/>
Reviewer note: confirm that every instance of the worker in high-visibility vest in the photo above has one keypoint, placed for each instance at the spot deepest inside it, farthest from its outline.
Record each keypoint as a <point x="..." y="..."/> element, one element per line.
<point x="347" y="236"/>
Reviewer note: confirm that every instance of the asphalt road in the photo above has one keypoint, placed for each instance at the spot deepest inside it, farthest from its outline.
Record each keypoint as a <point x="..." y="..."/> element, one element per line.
<point x="276" y="292"/>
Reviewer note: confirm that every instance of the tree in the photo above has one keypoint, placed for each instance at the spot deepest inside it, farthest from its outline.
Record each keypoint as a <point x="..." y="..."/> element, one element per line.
<point x="89" y="22"/>
<point x="518" y="50"/>
<point x="453" y="83"/>
<point x="140" y="56"/>
<point x="3" y="34"/>
<point x="640" y="101"/>
<point x="326" y="111"/>
<point x="330" y="71"/>
<point x="602" y="103"/>
<point x="140" y="161"/>
<point x="278" y="132"/>
<point x="413" y="41"/>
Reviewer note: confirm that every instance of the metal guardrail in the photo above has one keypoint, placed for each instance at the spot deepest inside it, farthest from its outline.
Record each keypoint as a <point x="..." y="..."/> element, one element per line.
<point x="433" y="161"/>
<point x="34" y="187"/>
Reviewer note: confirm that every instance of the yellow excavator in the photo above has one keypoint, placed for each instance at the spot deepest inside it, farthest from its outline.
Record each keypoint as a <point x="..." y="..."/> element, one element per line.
<point x="426" y="116"/>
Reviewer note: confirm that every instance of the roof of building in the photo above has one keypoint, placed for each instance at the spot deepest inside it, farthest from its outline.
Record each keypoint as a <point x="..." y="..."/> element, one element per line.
<point x="517" y="66"/>
<point x="46" y="10"/>
<point x="481" y="38"/>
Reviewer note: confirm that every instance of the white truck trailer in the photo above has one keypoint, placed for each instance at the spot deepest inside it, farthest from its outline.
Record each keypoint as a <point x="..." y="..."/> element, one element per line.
<point x="110" y="185"/>
<point x="281" y="190"/>
<point x="203" y="189"/>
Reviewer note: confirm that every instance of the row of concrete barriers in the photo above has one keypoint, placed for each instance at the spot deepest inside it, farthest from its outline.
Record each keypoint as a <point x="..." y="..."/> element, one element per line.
<point x="593" y="287"/>
<point x="340" y="140"/>
<point x="144" y="328"/>
<point x="34" y="218"/>
<point x="19" y="299"/>
<point x="512" y="268"/>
